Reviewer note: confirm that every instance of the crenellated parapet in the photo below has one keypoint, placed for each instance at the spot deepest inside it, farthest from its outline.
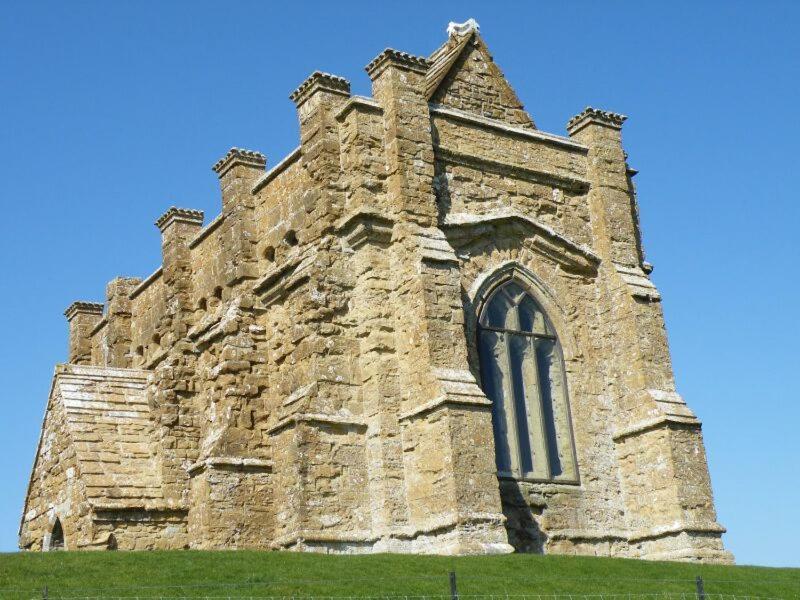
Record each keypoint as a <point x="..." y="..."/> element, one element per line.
<point x="319" y="82"/>
<point x="239" y="157"/>
<point x="591" y="115"/>
<point x="179" y="215"/>
<point x="403" y="60"/>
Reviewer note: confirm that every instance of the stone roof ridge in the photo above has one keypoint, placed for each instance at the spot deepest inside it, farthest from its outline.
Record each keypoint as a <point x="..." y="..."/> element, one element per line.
<point x="179" y="214"/>
<point x="236" y="156"/>
<point x="410" y="61"/>
<point x="589" y="113"/>
<point x="444" y="57"/>
<point x="321" y="80"/>
<point x="458" y="29"/>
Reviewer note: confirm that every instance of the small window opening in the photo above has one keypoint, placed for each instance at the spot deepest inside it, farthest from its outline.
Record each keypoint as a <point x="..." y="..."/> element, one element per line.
<point x="269" y="253"/>
<point x="202" y="304"/>
<point x="57" y="537"/>
<point x="218" y="293"/>
<point x="156" y="339"/>
<point x="112" y="542"/>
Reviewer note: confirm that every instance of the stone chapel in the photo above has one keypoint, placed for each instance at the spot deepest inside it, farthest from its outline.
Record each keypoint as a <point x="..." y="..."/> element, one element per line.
<point x="428" y="329"/>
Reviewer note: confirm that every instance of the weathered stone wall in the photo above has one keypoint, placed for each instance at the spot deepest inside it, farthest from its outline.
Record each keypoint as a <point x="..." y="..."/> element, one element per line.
<point x="56" y="490"/>
<point x="233" y="507"/>
<point x="140" y="530"/>
<point x="313" y="380"/>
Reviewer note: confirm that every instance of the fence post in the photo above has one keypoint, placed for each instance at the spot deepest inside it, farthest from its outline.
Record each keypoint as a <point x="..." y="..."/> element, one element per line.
<point x="453" y="586"/>
<point x="701" y="593"/>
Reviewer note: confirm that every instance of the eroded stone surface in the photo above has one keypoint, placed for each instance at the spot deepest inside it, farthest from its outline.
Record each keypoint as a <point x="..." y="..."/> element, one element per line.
<point x="302" y="373"/>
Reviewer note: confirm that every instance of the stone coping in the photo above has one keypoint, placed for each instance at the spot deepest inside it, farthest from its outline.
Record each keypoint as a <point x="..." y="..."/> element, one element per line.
<point x="287" y="161"/>
<point x="443" y="401"/>
<point x="212" y="462"/>
<point x="146" y="283"/>
<point x="533" y="134"/>
<point x="100" y="324"/>
<point x="207" y="230"/>
<point x="368" y="104"/>
<point x="654" y="423"/>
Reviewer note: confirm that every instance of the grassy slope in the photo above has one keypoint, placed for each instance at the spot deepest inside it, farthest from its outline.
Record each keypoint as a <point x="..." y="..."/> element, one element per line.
<point x="237" y="574"/>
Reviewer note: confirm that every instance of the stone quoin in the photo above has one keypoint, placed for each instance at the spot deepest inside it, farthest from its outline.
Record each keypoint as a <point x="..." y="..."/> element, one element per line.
<point x="428" y="329"/>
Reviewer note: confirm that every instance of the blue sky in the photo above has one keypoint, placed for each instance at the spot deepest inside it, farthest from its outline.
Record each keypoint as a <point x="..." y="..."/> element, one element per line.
<point x="112" y="112"/>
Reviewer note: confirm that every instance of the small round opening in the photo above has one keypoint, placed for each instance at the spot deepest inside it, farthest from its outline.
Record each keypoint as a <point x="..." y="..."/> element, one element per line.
<point x="269" y="253"/>
<point x="291" y="237"/>
<point x="218" y="293"/>
<point x="202" y="304"/>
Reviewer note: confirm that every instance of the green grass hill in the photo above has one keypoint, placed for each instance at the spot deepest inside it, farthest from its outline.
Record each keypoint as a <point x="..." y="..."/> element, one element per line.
<point x="243" y="574"/>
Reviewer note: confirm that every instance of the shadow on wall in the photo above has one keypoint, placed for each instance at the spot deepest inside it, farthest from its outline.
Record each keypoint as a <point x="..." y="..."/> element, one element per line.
<point x="523" y="531"/>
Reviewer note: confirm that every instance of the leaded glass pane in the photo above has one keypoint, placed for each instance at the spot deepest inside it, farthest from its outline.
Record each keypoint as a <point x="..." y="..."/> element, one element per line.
<point x="499" y="312"/>
<point x="554" y="400"/>
<point x="531" y="318"/>
<point x="514" y="292"/>
<point x="545" y="357"/>
<point x="493" y="367"/>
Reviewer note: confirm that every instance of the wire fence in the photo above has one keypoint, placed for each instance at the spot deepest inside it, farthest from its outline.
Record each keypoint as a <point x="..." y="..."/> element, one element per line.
<point x="541" y="588"/>
<point x="466" y="586"/>
<point x="624" y="596"/>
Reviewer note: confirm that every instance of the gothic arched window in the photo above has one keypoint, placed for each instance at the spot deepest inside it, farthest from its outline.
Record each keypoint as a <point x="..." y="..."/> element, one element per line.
<point x="522" y="373"/>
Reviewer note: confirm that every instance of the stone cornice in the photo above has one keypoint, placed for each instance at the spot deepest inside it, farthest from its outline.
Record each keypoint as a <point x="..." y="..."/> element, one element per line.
<point x="403" y="60"/>
<point x="239" y="157"/>
<point x="86" y="308"/>
<point x="179" y="215"/>
<point x="595" y="115"/>
<point x="319" y="81"/>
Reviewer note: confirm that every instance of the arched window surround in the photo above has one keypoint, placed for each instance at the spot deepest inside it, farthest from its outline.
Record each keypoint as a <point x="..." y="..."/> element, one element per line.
<point x="481" y="292"/>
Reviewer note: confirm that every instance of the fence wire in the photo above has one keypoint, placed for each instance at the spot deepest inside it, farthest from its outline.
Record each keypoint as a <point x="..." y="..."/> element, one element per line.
<point x="621" y="596"/>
